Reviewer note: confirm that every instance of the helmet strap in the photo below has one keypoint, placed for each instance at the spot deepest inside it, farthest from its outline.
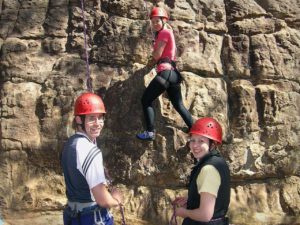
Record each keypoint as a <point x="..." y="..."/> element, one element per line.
<point x="163" y="23"/>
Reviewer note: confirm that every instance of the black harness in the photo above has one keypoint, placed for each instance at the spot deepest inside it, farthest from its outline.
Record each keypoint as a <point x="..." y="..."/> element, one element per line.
<point x="165" y="81"/>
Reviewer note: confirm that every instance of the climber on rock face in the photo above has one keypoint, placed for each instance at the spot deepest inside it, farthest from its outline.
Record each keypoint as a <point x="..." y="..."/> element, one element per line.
<point x="168" y="77"/>
<point x="86" y="186"/>
<point x="209" y="187"/>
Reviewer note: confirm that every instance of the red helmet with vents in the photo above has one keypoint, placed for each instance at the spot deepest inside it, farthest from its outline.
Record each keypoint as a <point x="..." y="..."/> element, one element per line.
<point x="88" y="103"/>
<point x="208" y="127"/>
<point x="160" y="12"/>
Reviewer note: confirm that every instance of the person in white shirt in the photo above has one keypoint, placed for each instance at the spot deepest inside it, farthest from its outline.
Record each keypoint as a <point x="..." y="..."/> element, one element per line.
<point x="86" y="186"/>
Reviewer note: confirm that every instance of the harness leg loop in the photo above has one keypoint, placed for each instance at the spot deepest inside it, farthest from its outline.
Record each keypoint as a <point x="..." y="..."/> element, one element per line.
<point x="100" y="221"/>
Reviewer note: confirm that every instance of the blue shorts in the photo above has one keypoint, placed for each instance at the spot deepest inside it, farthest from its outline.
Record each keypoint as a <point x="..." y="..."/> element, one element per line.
<point x="86" y="216"/>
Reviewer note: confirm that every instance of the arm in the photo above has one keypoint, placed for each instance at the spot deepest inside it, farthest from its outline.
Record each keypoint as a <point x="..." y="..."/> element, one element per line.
<point x="208" y="183"/>
<point x="104" y="198"/>
<point x="93" y="171"/>
<point x="205" y="211"/>
<point x="156" y="54"/>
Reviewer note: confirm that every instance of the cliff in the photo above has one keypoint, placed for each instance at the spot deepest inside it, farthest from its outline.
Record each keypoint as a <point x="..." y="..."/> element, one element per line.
<point x="240" y="60"/>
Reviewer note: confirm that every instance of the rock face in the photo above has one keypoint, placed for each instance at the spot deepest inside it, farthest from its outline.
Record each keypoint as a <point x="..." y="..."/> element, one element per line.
<point x="241" y="64"/>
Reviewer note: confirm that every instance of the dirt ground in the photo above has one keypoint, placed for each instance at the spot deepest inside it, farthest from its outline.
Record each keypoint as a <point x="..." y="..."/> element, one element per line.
<point x="54" y="218"/>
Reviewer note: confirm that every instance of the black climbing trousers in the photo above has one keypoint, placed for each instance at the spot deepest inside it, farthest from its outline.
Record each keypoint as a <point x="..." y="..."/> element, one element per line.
<point x="167" y="80"/>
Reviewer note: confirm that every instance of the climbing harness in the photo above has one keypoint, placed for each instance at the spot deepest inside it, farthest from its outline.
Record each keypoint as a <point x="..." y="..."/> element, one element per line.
<point x="173" y="218"/>
<point x="78" y="211"/>
<point x="88" y="75"/>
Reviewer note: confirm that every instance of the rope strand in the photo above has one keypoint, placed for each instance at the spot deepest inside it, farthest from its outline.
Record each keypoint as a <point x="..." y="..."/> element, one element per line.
<point x="122" y="214"/>
<point x="173" y="216"/>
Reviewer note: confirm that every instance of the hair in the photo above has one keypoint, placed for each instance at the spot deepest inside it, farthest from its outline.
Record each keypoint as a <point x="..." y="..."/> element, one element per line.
<point x="75" y="125"/>
<point x="168" y="26"/>
<point x="212" y="143"/>
<point x="165" y="25"/>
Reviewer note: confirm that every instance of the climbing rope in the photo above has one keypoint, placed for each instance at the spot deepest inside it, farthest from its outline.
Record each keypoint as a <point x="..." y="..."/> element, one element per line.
<point x="173" y="218"/>
<point x="88" y="74"/>
<point x="122" y="214"/>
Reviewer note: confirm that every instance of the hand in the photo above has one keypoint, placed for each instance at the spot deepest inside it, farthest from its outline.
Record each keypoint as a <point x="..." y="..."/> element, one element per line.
<point x="117" y="195"/>
<point x="151" y="62"/>
<point x="180" y="201"/>
<point x="180" y="212"/>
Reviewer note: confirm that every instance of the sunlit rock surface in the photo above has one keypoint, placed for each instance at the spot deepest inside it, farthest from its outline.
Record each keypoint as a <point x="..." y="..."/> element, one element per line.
<point x="240" y="63"/>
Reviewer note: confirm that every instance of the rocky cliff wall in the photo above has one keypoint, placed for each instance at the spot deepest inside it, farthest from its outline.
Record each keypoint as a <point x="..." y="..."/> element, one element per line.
<point x="240" y="60"/>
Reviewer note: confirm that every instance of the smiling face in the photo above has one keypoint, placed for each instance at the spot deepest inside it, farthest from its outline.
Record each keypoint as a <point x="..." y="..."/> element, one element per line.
<point x="199" y="146"/>
<point x="93" y="124"/>
<point x="156" y="23"/>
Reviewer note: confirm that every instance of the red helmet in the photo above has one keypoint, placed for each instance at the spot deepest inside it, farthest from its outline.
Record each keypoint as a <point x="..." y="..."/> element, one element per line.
<point x="88" y="103"/>
<point x="208" y="127"/>
<point x="160" y="12"/>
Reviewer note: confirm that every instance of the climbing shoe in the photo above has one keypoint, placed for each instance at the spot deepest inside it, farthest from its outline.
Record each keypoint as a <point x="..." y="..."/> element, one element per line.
<point x="146" y="136"/>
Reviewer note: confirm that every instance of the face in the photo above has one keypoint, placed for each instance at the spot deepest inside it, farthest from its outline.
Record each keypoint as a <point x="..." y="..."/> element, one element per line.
<point x="93" y="125"/>
<point x="156" y="23"/>
<point x="199" y="146"/>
